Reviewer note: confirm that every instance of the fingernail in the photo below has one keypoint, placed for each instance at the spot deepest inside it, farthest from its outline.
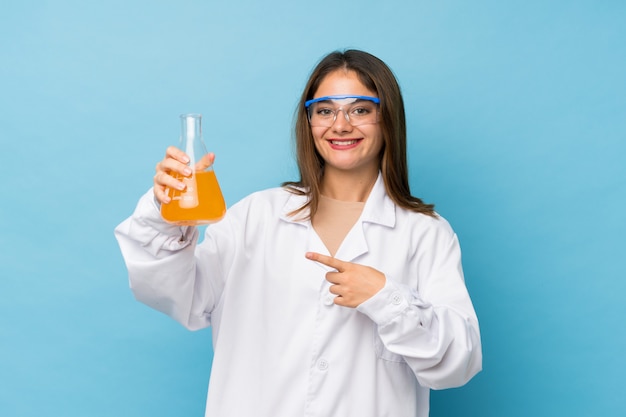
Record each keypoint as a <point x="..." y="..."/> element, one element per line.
<point x="187" y="171"/>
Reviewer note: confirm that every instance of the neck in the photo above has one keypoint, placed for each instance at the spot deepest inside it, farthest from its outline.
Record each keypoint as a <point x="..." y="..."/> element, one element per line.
<point x="348" y="186"/>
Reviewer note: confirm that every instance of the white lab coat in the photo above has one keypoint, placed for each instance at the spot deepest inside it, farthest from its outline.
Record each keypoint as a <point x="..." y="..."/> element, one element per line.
<point x="281" y="346"/>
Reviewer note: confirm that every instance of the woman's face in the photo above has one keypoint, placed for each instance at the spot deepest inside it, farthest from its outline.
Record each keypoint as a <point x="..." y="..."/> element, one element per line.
<point x="347" y="148"/>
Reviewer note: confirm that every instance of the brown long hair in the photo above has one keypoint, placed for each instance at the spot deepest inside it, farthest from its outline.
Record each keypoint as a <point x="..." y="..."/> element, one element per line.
<point x="377" y="77"/>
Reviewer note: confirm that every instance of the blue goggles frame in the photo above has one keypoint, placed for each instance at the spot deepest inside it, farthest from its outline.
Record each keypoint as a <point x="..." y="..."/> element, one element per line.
<point x="340" y="97"/>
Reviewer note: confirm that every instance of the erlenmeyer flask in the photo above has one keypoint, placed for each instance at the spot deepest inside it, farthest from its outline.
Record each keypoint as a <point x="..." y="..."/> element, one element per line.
<point x="201" y="202"/>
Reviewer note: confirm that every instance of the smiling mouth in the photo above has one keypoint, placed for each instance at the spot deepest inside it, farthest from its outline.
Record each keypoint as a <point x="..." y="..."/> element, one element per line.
<point x="345" y="142"/>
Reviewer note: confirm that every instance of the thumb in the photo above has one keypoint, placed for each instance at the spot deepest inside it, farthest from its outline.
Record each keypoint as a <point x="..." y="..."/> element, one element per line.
<point x="205" y="162"/>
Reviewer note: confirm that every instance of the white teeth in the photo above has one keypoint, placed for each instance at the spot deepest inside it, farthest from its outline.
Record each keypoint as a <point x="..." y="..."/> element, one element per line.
<point x="343" y="142"/>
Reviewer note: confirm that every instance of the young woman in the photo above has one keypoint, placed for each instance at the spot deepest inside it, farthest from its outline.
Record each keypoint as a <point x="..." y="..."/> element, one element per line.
<point x="336" y="295"/>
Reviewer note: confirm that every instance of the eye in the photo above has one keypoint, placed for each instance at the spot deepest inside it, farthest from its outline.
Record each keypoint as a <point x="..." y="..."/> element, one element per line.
<point x="361" y="111"/>
<point x="324" y="112"/>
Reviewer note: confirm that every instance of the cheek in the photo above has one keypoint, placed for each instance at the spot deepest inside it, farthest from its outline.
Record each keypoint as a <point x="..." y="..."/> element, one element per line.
<point x="377" y="137"/>
<point x="381" y="142"/>
<point x="318" y="132"/>
<point x="318" y="136"/>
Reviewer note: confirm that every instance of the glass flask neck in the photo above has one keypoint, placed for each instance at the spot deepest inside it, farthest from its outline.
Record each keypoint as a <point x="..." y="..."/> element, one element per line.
<point x="191" y="141"/>
<point x="191" y="126"/>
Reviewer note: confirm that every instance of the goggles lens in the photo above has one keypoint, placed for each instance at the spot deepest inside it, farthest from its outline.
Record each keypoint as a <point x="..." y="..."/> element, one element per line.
<point x="358" y="110"/>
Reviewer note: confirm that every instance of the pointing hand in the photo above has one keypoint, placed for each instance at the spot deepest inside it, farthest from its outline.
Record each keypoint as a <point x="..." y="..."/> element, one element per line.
<point x="352" y="283"/>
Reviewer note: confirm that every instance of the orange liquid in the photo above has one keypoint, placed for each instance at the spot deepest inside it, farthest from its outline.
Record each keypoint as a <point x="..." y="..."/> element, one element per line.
<point x="201" y="202"/>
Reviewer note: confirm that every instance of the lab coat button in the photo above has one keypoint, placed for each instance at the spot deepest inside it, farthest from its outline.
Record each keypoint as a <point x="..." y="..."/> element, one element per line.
<point x="322" y="364"/>
<point x="396" y="298"/>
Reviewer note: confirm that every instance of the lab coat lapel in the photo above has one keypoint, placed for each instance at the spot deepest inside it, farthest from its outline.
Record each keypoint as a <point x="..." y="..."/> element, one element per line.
<point x="354" y="244"/>
<point x="314" y="243"/>
<point x="378" y="209"/>
<point x="314" y="273"/>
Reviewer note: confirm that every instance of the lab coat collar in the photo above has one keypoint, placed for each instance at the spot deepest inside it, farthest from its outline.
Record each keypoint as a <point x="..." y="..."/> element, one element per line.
<point x="379" y="208"/>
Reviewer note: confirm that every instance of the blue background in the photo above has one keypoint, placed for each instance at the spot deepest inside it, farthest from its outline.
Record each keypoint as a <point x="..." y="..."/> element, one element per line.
<point x="517" y="127"/>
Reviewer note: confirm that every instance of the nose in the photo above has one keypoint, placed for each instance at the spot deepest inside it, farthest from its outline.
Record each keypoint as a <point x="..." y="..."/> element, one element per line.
<point x="341" y="124"/>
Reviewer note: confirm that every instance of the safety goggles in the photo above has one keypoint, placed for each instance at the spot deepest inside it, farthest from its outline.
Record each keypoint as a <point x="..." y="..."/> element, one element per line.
<point x="358" y="110"/>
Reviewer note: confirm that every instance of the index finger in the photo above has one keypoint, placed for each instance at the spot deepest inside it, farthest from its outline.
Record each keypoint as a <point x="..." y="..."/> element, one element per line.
<point x="177" y="154"/>
<point x="326" y="260"/>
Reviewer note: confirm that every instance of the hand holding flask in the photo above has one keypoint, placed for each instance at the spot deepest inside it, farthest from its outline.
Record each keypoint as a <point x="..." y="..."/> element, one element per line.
<point x="201" y="201"/>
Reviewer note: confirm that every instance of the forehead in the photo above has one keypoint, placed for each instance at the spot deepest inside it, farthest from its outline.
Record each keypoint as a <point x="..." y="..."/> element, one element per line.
<point x="342" y="82"/>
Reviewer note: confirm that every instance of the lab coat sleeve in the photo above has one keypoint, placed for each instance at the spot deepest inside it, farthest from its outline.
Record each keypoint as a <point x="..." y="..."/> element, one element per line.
<point x="162" y="266"/>
<point x="433" y="329"/>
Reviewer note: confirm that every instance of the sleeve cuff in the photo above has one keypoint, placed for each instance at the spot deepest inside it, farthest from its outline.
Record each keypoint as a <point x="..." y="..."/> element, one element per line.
<point x="149" y="227"/>
<point x="386" y="304"/>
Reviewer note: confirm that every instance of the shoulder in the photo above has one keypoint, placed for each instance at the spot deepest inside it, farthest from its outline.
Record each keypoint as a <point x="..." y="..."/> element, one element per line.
<point x="435" y="225"/>
<point x="271" y="196"/>
<point x="271" y="200"/>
